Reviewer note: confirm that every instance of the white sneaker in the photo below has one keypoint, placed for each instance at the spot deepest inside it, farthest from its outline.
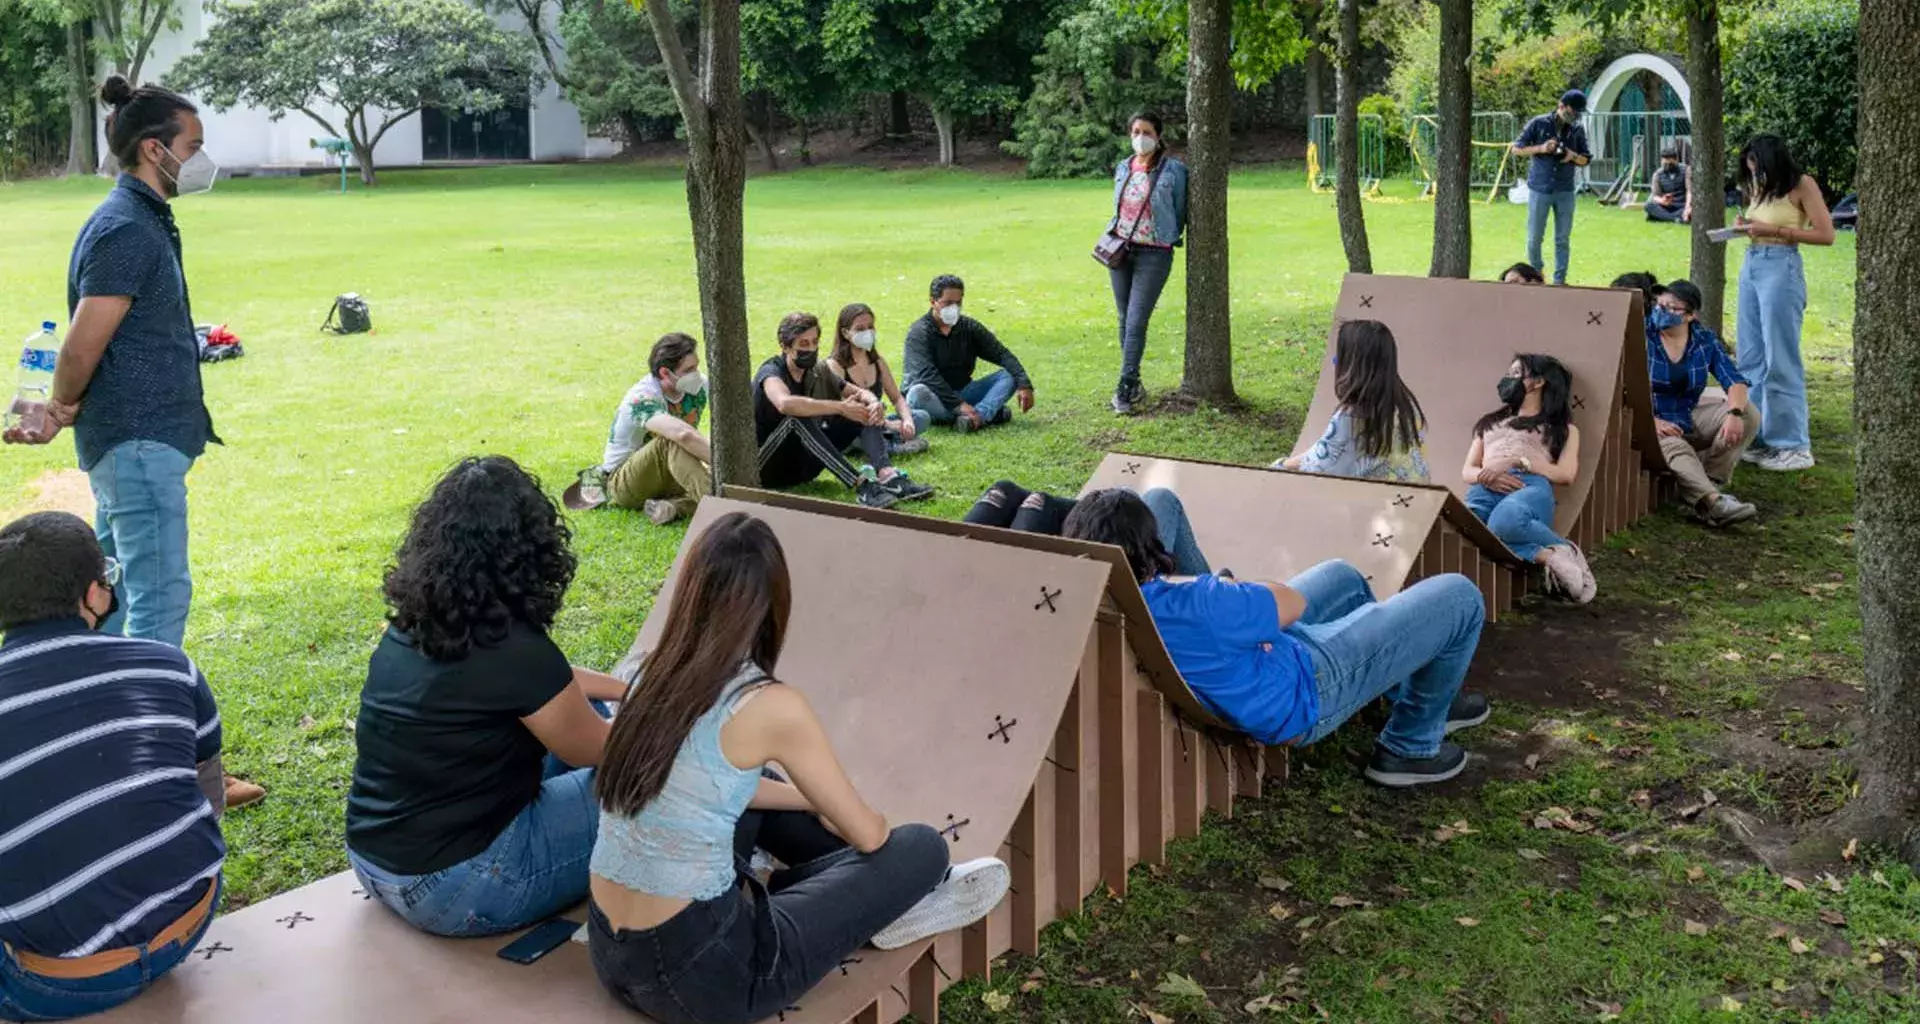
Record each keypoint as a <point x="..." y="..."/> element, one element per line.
<point x="1568" y="568"/>
<point x="1787" y="460"/>
<point x="660" y="511"/>
<point x="969" y="893"/>
<point x="1756" y="455"/>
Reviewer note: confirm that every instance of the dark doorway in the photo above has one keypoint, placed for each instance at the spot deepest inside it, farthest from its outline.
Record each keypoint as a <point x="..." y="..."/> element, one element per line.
<point x="504" y="134"/>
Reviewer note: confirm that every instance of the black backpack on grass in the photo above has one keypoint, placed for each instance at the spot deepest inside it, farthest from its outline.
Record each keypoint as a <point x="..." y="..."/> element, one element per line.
<point x="349" y="315"/>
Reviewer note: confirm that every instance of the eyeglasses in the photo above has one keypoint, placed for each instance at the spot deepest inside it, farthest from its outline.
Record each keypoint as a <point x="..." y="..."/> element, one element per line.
<point x="113" y="572"/>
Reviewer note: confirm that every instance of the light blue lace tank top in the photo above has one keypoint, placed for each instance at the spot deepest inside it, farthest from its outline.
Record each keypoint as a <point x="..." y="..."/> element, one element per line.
<point x="680" y="845"/>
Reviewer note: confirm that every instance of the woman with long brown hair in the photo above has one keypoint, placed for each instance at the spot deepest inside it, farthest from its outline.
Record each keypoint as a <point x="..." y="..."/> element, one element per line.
<point x="680" y="927"/>
<point x="1378" y="431"/>
<point x="857" y="359"/>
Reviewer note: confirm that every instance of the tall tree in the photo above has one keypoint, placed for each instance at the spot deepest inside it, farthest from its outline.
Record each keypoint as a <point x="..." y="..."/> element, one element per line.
<point x="127" y="30"/>
<point x="1886" y="410"/>
<point x="1208" y="372"/>
<point x="378" y="62"/>
<point x="783" y="56"/>
<point x="1453" y="151"/>
<point x="711" y="108"/>
<point x="1708" y="168"/>
<point x="541" y="20"/>
<point x="616" y="76"/>
<point x="82" y="148"/>
<point x="1346" y="142"/>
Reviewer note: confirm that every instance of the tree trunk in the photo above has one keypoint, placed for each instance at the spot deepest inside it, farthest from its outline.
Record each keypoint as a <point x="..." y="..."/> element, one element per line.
<point x="363" y="155"/>
<point x="1316" y="80"/>
<point x="1208" y="373"/>
<point x="1453" y="154"/>
<point x="899" y="125"/>
<point x="760" y="137"/>
<point x="711" y="107"/>
<point x="943" y="127"/>
<point x="1346" y="143"/>
<point x="1709" y="165"/>
<point x="1886" y="409"/>
<point x="81" y="155"/>
<point x="806" y="141"/>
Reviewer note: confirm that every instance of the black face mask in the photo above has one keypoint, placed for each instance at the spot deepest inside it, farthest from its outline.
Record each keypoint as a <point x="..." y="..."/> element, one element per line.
<point x="1512" y="391"/>
<point x="805" y="360"/>
<point x="113" y="605"/>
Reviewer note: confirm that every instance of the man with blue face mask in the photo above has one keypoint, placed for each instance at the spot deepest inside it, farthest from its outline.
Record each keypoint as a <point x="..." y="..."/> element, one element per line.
<point x="128" y="376"/>
<point x="1558" y="146"/>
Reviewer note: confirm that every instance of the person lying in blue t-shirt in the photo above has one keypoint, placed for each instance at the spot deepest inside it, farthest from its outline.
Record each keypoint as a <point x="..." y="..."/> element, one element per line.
<point x="1288" y="663"/>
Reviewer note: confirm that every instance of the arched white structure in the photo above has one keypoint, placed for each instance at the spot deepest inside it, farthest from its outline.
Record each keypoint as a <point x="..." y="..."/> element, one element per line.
<point x="1606" y="88"/>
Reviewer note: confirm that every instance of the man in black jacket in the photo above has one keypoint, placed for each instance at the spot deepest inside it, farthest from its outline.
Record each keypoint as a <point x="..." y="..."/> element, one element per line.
<point x="1670" y="201"/>
<point x="943" y="348"/>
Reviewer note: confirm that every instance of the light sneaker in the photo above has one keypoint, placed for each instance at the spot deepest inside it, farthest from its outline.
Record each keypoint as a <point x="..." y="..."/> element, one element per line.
<point x="1726" y="510"/>
<point x="1787" y="460"/>
<point x="1568" y="569"/>
<point x="660" y="511"/>
<point x="969" y="892"/>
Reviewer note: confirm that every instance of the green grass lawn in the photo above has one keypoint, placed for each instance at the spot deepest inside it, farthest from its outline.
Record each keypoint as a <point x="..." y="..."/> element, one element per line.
<point x="514" y="307"/>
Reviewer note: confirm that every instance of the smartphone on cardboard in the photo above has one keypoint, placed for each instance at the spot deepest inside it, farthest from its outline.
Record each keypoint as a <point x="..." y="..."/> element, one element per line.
<point x="540" y="940"/>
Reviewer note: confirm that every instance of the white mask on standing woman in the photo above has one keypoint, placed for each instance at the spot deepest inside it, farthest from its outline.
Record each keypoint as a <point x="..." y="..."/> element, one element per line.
<point x="1144" y="144"/>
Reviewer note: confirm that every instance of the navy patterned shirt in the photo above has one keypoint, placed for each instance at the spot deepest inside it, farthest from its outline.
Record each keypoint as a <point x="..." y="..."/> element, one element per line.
<point x="147" y="386"/>
<point x="1677" y="386"/>
<point x="1549" y="174"/>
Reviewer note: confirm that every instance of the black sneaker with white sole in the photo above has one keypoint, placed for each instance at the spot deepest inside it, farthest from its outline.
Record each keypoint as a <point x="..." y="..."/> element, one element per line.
<point x="907" y="488"/>
<point x="1468" y="710"/>
<point x="1396" y="772"/>
<point x="874" y="494"/>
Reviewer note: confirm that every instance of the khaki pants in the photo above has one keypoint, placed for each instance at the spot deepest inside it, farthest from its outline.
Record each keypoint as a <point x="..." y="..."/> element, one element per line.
<point x="1701" y="469"/>
<point x="660" y="469"/>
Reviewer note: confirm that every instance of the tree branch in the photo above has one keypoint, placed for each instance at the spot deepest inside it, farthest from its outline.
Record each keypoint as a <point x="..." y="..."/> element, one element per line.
<point x="322" y="122"/>
<point x="686" y="89"/>
<point x="390" y="122"/>
<point x="532" y="12"/>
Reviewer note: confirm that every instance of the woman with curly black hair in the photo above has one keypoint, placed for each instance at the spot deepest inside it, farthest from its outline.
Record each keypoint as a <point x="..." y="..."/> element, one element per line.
<point x="472" y="808"/>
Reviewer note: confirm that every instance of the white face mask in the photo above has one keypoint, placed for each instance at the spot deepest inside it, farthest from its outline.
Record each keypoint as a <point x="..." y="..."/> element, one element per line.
<point x="195" y="175"/>
<point x="950" y="315"/>
<point x="1144" y="144"/>
<point x="863" y="340"/>
<point x="691" y="382"/>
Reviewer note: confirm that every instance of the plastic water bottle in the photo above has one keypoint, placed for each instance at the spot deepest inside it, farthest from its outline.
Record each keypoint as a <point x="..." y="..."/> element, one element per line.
<point x="37" y="357"/>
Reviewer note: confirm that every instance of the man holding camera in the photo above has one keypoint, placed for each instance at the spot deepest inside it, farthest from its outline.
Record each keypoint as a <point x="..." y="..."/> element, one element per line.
<point x="1558" y="145"/>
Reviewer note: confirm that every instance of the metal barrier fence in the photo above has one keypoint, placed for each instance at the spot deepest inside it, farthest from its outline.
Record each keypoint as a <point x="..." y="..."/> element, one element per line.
<point x="1626" y="146"/>
<point x="1492" y="161"/>
<point x="1324" y="159"/>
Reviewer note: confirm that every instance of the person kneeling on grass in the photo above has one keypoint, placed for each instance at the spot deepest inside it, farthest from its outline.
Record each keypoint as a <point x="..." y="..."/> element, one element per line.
<point x="1288" y="663"/>
<point x="680" y="927"/>
<point x="1520" y="453"/>
<point x="471" y="811"/>
<point x="943" y="349"/>
<point x="1703" y="436"/>
<point x="110" y="785"/>
<point x="1377" y="431"/>
<point x="805" y="415"/>
<point x="656" y="458"/>
<point x="857" y="359"/>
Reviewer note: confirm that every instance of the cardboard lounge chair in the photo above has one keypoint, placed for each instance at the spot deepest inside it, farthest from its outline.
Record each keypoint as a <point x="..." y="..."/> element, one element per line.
<point x="1273" y="524"/>
<point x="1457" y="337"/>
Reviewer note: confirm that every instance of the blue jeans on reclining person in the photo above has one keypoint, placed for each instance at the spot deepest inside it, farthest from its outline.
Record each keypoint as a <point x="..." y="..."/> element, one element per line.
<point x="535" y="868"/>
<point x="1414" y="647"/>
<point x="1523" y="520"/>
<point x="25" y="996"/>
<point x="988" y="395"/>
<point x="759" y="949"/>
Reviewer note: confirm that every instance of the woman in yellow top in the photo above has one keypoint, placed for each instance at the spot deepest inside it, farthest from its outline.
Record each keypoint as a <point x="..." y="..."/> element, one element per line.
<point x="1785" y="211"/>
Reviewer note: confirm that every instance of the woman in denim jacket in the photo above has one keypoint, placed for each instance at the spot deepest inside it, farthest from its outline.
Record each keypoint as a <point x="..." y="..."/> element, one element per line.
<point x="1150" y="212"/>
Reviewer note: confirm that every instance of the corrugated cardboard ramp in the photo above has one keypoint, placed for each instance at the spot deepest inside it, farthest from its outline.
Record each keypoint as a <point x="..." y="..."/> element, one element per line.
<point x="1271" y="524"/>
<point x="1457" y="337"/>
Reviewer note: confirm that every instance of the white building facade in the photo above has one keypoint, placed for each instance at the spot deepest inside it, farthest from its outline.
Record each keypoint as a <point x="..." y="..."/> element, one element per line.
<point x="246" y="140"/>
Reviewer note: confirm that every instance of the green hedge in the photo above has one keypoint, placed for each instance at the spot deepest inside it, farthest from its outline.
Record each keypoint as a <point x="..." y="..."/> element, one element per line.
<point x="1793" y="76"/>
<point x="1099" y="67"/>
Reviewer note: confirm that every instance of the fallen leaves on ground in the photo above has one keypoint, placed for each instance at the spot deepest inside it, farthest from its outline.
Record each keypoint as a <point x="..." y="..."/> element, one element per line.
<point x="1181" y="985"/>
<point x="1793" y="883"/>
<point x="1692" y="927"/>
<point x="1527" y="854"/>
<point x="1834" y="918"/>
<point x="1797" y="947"/>
<point x="1279" y="912"/>
<point x="1275" y="883"/>
<point x="1730" y="1004"/>
<point x="998" y="1002"/>
<point x="1447" y="833"/>
<point x="1696" y="873"/>
<point x="1466" y="922"/>
<point x="1342" y="902"/>
<point x="1152" y="1017"/>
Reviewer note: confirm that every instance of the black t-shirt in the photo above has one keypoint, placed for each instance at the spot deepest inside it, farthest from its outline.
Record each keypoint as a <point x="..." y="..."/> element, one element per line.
<point x="444" y="762"/>
<point x="820" y="382"/>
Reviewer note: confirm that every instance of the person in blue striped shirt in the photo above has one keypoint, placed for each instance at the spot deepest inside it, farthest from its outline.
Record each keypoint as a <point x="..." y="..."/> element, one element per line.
<point x="110" y="785"/>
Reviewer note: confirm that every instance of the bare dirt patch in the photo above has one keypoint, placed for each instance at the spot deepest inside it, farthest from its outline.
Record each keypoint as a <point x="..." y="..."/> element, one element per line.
<point x="56" y="490"/>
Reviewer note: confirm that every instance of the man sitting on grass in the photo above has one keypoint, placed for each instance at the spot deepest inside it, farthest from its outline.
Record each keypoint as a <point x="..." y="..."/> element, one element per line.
<point x="656" y="458"/>
<point x="806" y="416"/>
<point x="943" y="348"/>
<point x="110" y="785"/>
<point x="1288" y="663"/>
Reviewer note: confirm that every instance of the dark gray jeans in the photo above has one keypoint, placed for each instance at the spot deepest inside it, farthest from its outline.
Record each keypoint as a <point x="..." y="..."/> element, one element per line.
<point x="758" y="950"/>
<point x="1137" y="284"/>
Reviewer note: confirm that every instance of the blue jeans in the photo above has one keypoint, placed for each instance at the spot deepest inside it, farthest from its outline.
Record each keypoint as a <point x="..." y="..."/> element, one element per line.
<point x="1522" y="520"/>
<point x="140" y="490"/>
<point x="921" y="420"/>
<point x="1136" y="290"/>
<point x="1176" y="534"/>
<point x="988" y="396"/>
<point x="25" y="996"/>
<point x="1773" y="301"/>
<point x="535" y="868"/>
<point x="1561" y="203"/>
<point x="1415" y="646"/>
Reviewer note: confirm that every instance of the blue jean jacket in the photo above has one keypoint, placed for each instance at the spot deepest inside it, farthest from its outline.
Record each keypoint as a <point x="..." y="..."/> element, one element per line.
<point x="1168" y="202"/>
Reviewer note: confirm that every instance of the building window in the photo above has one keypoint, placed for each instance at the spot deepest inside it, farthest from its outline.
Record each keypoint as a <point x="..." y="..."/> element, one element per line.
<point x="504" y="134"/>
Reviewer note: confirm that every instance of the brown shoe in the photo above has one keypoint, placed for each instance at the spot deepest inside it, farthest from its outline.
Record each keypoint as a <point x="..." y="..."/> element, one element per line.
<point x="241" y="793"/>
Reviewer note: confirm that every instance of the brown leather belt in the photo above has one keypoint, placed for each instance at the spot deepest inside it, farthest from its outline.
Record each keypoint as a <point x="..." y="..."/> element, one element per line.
<point x="109" y="960"/>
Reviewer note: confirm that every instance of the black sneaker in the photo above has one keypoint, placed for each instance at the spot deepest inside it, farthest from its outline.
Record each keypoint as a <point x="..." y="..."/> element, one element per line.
<point x="1123" y="401"/>
<point x="874" y="494"/>
<point x="1468" y="710"/>
<point x="907" y="488"/>
<point x="1005" y="415"/>
<point x="1387" y="769"/>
